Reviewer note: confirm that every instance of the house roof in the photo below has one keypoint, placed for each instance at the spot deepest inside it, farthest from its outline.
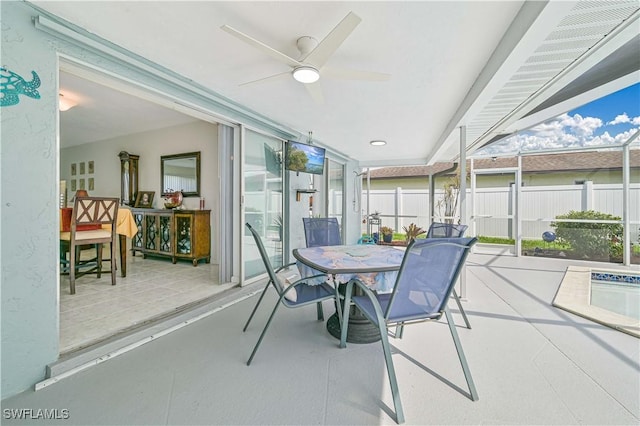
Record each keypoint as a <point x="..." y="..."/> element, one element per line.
<point x="566" y="162"/>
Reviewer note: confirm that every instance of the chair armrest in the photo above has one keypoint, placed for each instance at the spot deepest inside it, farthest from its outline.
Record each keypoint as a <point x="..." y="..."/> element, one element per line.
<point x="284" y="266"/>
<point x="304" y="279"/>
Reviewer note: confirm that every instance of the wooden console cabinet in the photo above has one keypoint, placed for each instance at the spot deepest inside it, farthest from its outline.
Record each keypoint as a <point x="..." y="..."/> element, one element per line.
<point x="178" y="234"/>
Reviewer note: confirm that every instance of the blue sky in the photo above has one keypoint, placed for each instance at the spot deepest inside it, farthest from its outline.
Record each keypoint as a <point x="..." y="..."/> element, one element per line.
<point x="606" y="121"/>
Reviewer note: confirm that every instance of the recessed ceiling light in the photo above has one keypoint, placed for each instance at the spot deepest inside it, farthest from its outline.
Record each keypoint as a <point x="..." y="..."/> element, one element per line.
<point x="378" y="143"/>
<point x="306" y="74"/>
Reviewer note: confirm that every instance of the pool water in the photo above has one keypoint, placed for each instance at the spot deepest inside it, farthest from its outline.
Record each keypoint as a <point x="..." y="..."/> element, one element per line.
<point x="616" y="292"/>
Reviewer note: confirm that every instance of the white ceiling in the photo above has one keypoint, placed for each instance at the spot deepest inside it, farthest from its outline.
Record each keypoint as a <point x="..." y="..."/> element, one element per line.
<point x="105" y="113"/>
<point x="481" y="64"/>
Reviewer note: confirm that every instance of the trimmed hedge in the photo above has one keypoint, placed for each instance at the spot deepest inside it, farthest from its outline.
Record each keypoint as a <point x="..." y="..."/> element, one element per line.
<point x="590" y="239"/>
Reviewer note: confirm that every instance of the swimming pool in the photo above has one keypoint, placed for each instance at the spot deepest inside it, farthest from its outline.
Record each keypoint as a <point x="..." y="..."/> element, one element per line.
<point x="608" y="297"/>
<point x="616" y="292"/>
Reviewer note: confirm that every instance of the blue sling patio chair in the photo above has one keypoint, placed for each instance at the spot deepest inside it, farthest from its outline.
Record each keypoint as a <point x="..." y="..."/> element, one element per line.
<point x="446" y="230"/>
<point x="293" y="295"/>
<point x="324" y="231"/>
<point x="321" y="231"/>
<point x="449" y="230"/>
<point x="425" y="281"/>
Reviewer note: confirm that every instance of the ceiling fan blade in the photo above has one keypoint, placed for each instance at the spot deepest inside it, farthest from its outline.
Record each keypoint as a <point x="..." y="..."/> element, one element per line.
<point x="271" y="77"/>
<point x="261" y="46"/>
<point x="315" y="90"/>
<point x="320" y="55"/>
<point x="347" y="74"/>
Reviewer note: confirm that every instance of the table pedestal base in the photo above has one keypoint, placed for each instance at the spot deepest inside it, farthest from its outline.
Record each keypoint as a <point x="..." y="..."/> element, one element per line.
<point x="360" y="330"/>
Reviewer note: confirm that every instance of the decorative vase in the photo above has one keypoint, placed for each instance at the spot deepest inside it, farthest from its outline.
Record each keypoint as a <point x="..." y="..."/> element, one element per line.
<point x="173" y="200"/>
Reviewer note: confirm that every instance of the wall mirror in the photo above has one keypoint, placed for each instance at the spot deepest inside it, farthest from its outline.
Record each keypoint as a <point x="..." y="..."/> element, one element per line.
<point x="180" y="172"/>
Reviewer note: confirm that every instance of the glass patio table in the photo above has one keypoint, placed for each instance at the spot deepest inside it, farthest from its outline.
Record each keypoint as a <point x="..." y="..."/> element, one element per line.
<point x="375" y="265"/>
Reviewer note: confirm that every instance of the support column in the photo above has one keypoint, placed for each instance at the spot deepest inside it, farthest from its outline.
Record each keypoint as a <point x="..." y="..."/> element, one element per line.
<point x="432" y="197"/>
<point x="463" y="200"/>
<point x="474" y="227"/>
<point x="516" y="214"/>
<point x="368" y="201"/>
<point x="463" y="174"/>
<point x="626" y="216"/>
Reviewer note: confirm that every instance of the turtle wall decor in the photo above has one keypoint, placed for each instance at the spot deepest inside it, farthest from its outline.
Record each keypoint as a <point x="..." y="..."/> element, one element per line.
<point x="12" y="85"/>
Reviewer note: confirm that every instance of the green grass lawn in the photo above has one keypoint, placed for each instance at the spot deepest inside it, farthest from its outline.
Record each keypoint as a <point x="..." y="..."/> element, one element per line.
<point x="531" y="244"/>
<point x="526" y="244"/>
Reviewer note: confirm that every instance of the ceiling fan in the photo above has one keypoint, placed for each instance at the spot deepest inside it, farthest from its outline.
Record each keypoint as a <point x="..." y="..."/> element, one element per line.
<point x="313" y="57"/>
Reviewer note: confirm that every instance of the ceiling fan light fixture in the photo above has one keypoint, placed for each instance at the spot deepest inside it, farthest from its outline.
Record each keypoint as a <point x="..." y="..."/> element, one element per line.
<point x="65" y="104"/>
<point x="306" y="74"/>
<point x="378" y="142"/>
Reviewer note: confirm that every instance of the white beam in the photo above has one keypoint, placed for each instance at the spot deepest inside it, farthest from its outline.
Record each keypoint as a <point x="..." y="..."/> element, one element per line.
<point x="463" y="200"/>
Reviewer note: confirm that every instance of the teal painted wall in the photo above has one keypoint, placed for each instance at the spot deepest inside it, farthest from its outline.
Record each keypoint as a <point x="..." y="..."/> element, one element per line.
<point x="29" y="207"/>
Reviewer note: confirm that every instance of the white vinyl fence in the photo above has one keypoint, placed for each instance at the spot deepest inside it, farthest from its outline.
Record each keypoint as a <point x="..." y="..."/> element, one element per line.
<point x="539" y="206"/>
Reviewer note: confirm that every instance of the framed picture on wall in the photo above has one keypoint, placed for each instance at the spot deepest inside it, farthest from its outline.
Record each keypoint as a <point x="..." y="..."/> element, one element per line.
<point x="91" y="184"/>
<point x="144" y="199"/>
<point x="82" y="169"/>
<point x="73" y="169"/>
<point x="81" y="184"/>
<point x="90" y="167"/>
<point x="73" y="185"/>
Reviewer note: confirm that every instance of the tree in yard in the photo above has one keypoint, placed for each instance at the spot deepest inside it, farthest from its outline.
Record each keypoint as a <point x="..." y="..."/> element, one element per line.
<point x="448" y="204"/>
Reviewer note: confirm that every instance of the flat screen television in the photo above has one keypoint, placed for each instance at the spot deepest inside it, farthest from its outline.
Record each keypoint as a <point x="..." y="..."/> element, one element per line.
<point x="300" y="157"/>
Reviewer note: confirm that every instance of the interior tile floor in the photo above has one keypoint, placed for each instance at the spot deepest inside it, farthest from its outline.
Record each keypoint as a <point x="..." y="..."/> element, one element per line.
<point x="152" y="289"/>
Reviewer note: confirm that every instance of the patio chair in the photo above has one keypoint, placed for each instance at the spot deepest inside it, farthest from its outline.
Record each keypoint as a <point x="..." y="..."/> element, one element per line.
<point x="446" y="230"/>
<point x="321" y="231"/>
<point x="425" y="280"/>
<point x="449" y="230"/>
<point x="291" y="295"/>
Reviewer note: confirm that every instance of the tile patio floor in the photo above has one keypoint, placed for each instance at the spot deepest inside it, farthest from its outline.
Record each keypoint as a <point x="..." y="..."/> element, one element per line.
<point x="532" y="364"/>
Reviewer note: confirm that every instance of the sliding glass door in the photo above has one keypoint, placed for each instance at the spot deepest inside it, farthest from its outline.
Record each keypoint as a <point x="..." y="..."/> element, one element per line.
<point x="263" y="201"/>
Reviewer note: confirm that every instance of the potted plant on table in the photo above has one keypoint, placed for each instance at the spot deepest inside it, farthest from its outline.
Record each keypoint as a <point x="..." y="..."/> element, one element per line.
<point x="387" y="234"/>
<point x="412" y="232"/>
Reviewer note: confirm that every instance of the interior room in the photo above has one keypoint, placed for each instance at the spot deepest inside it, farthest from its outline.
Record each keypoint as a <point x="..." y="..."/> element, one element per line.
<point x="112" y="127"/>
<point x="103" y="123"/>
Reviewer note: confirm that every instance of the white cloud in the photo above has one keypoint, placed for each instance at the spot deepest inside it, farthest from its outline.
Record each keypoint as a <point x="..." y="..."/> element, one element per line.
<point x="564" y="131"/>
<point x="581" y="126"/>
<point x="624" y="136"/>
<point x="572" y="132"/>
<point x="624" y="119"/>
